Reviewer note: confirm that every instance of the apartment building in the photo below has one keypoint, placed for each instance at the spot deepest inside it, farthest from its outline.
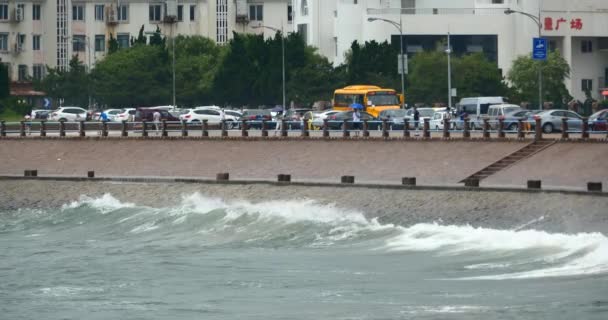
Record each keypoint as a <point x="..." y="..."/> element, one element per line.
<point x="578" y="29"/>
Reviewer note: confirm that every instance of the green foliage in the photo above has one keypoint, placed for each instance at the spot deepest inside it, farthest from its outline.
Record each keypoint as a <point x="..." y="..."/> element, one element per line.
<point x="141" y="38"/>
<point x="373" y="63"/>
<point x="137" y="76"/>
<point x="524" y="79"/>
<point x="72" y="85"/>
<point x="112" y="44"/>
<point x="4" y="82"/>
<point x="157" y="38"/>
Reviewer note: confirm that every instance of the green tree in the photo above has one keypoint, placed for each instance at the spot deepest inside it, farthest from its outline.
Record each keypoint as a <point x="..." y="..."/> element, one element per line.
<point x="71" y="85"/>
<point x="137" y="76"/>
<point x="476" y="76"/>
<point x="373" y="63"/>
<point x="427" y="78"/>
<point x="112" y="44"/>
<point x="4" y="82"/>
<point x="157" y="38"/>
<point x="524" y="79"/>
<point x="141" y="38"/>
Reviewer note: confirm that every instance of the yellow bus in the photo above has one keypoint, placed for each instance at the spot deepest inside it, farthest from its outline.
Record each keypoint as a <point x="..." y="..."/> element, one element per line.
<point x="373" y="98"/>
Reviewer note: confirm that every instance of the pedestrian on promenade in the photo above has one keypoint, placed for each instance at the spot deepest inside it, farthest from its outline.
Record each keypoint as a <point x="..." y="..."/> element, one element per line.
<point x="416" y="119"/>
<point x="156" y="119"/>
<point x="222" y="118"/>
<point x="28" y="124"/>
<point x="279" y="120"/>
<point x="356" y="120"/>
<point x="103" y="117"/>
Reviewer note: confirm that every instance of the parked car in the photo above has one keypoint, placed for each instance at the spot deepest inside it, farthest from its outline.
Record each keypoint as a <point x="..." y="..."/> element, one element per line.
<point x="69" y="114"/>
<point x="551" y="120"/>
<point x="511" y="119"/>
<point x="317" y="119"/>
<point x="477" y="108"/>
<point x="497" y="111"/>
<point x="394" y="117"/>
<point x="256" y="116"/>
<point x="425" y="113"/>
<point x="112" y="114"/>
<point x="40" y="114"/>
<point x="599" y="121"/>
<point x="213" y="117"/>
<point x="294" y="117"/>
<point x="336" y="121"/>
<point x="147" y="114"/>
<point x="127" y="114"/>
<point x="437" y="121"/>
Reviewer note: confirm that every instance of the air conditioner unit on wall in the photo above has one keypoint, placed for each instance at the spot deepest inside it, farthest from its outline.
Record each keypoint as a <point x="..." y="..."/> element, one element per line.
<point x="111" y="14"/>
<point x="19" y="14"/>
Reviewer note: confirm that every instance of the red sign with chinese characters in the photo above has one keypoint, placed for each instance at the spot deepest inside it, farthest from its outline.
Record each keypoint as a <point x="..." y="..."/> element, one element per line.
<point x="557" y="23"/>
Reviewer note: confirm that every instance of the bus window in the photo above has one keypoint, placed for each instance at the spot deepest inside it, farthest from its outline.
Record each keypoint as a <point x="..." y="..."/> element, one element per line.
<point x="346" y="100"/>
<point x="382" y="99"/>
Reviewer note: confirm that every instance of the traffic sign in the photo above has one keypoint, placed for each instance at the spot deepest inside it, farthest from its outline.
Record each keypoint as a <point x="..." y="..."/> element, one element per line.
<point x="402" y="61"/>
<point x="539" y="49"/>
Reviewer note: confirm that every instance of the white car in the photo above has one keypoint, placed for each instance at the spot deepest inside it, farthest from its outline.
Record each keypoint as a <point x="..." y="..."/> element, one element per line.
<point x="112" y="114"/>
<point x="69" y="114"/>
<point x="317" y="118"/>
<point x="436" y="121"/>
<point x="127" y="114"/>
<point x="196" y="116"/>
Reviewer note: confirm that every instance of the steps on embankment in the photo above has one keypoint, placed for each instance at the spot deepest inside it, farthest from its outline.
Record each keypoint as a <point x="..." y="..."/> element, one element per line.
<point x="521" y="154"/>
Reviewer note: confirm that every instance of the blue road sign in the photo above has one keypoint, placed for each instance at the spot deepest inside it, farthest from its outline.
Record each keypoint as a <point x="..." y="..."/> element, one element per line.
<point x="47" y="103"/>
<point x="539" y="49"/>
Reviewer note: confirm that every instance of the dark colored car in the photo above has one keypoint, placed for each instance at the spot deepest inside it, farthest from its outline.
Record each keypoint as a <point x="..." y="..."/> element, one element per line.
<point x="599" y="121"/>
<point x="147" y="114"/>
<point x="394" y="118"/>
<point x="336" y="121"/>
<point x="255" y="117"/>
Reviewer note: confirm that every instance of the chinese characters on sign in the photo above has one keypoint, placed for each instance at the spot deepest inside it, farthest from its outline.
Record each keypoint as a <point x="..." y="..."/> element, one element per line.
<point x="555" y="24"/>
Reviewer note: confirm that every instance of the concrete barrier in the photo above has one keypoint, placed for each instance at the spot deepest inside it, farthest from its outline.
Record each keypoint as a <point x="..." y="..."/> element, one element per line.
<point x="81" y="129"/>
<point x="164" y="132"/>
<point x="486" y="129"/>
<point x="365" y="128"/>
<point x="223" y="176"/>
<point x="22" y="128"/>
<point x="565" y="134"/>
<point x="594" y="186"/>
<point x="264" y="128"/>
<point x="585" y="131"/>
<point x="284" y="178"/>
<point x="325" y="128"/>
<point x="104" y="129"/>
<point x="244" y="128"/>
<point x="501" y="128"/>
<point x="205" y="130"/>
<point x="345" y="132"/>
<point x="538" y="134"/>
<point x="123" y="129"/>
<point x="144" y="128"/>
<point x="520" y="129"/>
<point x="408" y="181"/>
<point x="446" y="128"/>
<point x="184" y="128"/>
<point x="534" y="184"/>
<point x="347" y="179"/>
<point x="2" y="128"/>
<point x="224" y="129"/>
<point x="406" y="128"/>
<point x="305" y="133"/>
<point x="62" y="128"/>
<point x="384" y="129"/>
<point x="43" y="128"/>
<point x="426" y="133"/>
<point x="466" y="131"/>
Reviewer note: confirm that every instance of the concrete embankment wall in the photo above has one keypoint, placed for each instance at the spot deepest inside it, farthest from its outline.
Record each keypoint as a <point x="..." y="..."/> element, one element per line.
<point x="431" y="162"/>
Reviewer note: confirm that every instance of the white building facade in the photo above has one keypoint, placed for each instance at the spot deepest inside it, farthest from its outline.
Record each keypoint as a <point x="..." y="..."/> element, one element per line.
<point x="39" y="33"/>
<point x="578" y="29"/>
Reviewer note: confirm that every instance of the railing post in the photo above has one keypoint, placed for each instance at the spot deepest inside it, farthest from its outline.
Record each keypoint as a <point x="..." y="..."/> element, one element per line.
<point x="565" y="134"/>
<point x="184" y="128"/>
<point x="305" y="128"/>
<point x="283" y="128"/>
<point x="325" y="128"/>
<point x="446" y="128"/>
<point x="62" y="128"/>
<point x="43" y="128"/>
<point x="144" y="128"/>
<point x="538" y="130"/>
<point x="124" y="132"/>
<point x="426" y="133"/>
<point x="486" y="129"/>
<point x="345" y="132"/>
<point x="520" y="129"/>
<point x="585" y="133"/>
<point x="365" y="128"/>
<point x="501" y="128"/>
<point x="264" y="128"/>
<point x="384" y="129"/>
<point x="22" y="129"/>
<point x="244" y="128"/>
<point x="205" y="128"/>
<point x="81" y="129"/>
<point x="466" y="133"/>
<point x="104" y="129"/>
<point x="406" y="128"/>
<point x="2" y="128"/>
<point x="224" y="129"/>
<point x="164" y="129"/>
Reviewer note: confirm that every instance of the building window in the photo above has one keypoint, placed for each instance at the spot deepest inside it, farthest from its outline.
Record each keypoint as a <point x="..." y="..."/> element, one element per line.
<point x="304" y="8"/>
<point x="78" y="43"/>
<point x="123" y="13"/>
<point x="498" y="1"/>
<point x="222" y="21"/>
<point x="100" y="43"/>
<point x="155" y="12"/>
<point x="587" y="85"/>
<point x="20" y="42"/>
<point x="36" y="12"/>
<point x="3" y="41"/>
<point x="4" y="11"/>
<point x="99" y="11"/>
<point x="303" y="31"/>
<point x="36" y="42"/>
<point x="587" y="46"/>
<point x="78" y="12"/>
<point x="180" y="13"/>
<point x="289" y="13"/>
<point x="256" y="12"/>
<point x="38" y="71"/>
<point x="123" y="40"/>
<point x="192" y="12"/>
<point x="23" y="72"/>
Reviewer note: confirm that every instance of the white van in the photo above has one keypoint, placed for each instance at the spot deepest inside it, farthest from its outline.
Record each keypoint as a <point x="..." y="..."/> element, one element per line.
<point x="477" y="108"/>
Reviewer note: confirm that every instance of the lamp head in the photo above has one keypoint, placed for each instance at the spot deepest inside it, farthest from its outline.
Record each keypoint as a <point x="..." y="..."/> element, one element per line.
<point x="372" y="19"/>
<point x="509" y="11"/>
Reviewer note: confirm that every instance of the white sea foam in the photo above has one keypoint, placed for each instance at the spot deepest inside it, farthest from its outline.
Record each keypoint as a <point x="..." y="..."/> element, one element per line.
<point x="106" y="203"/>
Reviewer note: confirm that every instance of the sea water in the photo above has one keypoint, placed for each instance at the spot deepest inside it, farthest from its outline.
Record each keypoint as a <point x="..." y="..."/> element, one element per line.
<point x="207" y="258"/>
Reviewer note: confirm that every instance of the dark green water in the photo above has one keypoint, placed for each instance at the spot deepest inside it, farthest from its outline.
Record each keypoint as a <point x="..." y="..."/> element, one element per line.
<point x="203" y="258"/>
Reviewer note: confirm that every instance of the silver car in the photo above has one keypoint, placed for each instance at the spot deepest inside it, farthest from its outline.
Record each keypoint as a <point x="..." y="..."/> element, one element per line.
<point x="551" y="120"/>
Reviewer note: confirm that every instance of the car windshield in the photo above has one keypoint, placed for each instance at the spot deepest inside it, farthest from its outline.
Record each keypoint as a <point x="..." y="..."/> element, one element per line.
<point x="426" y="112"/>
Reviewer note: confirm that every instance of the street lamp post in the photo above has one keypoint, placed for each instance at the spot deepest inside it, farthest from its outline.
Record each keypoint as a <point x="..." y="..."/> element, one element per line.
<point x="282" y="54"/>
<point x="538" y="22"/>
<point x="399" y="26"/>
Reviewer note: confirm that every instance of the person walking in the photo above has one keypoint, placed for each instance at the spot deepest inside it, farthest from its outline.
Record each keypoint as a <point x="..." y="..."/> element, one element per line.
<point x="356" y="120"/>
<point x="279" y="121"/>
<point x="103" y="117"/>
<point x="222" y="118"/>
<point x="156" y="119"/>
